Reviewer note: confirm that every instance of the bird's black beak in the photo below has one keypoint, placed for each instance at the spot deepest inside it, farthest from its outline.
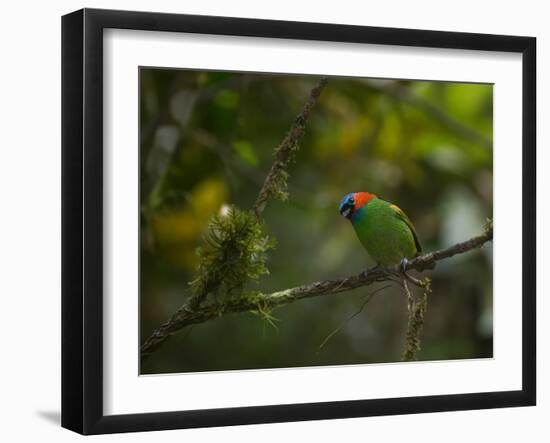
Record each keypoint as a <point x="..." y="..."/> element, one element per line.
<point x="346" y="211"/>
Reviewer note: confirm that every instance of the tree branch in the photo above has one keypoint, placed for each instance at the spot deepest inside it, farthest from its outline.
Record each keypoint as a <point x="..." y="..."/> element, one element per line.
<point x="188" y="315"/>
<point x="275" y="183"/>
<point x="416" y="307"/>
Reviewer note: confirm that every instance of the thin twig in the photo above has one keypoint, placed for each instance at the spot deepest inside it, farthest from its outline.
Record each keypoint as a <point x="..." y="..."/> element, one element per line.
<point x="366" y="300"/>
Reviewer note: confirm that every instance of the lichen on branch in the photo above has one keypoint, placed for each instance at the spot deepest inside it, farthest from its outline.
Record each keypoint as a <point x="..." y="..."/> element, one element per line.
<point x="416" y="310"/>
<point x="276" y="181"/>
<point x="232" y="254"/>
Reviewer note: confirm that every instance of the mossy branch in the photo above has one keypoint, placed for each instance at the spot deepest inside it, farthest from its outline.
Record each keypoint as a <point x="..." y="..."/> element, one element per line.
<point x="416" y="307"/>
<point x="186" y="315"/>
<point x="233" y="254"/>
<point x="275" y="184"/>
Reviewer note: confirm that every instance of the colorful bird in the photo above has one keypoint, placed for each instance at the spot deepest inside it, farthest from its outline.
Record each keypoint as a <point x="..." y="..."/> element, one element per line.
<point x="384" y="230"/>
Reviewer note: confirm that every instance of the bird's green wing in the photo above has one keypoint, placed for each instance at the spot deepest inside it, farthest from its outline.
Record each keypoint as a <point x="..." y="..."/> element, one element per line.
<point x="403" y="217"/>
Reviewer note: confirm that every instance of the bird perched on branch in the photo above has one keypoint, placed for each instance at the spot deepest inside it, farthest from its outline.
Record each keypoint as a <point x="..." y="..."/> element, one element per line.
<point x="383" y="228"/>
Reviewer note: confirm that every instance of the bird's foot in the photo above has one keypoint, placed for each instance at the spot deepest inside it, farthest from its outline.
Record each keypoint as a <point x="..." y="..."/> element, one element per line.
<point x="403" y="267"/>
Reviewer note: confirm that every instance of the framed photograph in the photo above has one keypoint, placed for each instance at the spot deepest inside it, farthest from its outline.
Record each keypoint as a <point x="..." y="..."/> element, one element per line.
<point x="269" y="221"/>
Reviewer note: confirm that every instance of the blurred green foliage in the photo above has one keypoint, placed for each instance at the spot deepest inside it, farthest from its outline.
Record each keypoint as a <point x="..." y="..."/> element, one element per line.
<point x="207" y="142"/>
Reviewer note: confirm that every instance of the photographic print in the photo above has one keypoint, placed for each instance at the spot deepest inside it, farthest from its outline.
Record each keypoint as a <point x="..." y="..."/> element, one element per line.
<point x="290" y="221"/>
<point x="294" y="221"/>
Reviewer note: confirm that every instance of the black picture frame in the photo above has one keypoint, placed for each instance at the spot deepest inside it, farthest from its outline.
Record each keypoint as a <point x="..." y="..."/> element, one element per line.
<point x="82" y="220"/>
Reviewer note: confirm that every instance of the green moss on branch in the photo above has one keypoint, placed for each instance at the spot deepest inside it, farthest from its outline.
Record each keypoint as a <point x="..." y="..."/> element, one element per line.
<point x="232" y="255"/>
<point x="276" y="181"/>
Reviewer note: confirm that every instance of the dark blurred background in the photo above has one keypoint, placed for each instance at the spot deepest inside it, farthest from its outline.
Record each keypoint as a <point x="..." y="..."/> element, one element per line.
<point x="207" y="141"/>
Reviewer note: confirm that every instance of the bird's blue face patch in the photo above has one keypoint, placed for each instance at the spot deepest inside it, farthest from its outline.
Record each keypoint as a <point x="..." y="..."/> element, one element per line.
<point x="347" y="205"/>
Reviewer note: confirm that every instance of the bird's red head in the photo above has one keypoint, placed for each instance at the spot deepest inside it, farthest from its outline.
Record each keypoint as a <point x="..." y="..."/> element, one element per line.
<point x="362" y="198"/>
<point x="353" y="201"/>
